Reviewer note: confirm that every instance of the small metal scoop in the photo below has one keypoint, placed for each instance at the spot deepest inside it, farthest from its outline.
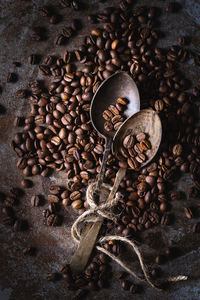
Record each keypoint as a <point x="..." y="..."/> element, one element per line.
<point x="147" y="121"/>
<point x="117" y="85"/>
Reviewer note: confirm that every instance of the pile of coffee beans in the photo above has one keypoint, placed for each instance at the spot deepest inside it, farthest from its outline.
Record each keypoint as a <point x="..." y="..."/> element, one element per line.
<point x="114" y="115"/>
<point x="133" y="151"/>
<point x="58" y="134"/>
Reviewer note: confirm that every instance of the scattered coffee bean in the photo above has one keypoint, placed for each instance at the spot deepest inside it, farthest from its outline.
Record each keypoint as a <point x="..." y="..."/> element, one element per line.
<point x="35" y="200"/>
<point x="33" y="59"/>
<point x="188" y="212"/>
<point x="53" y="220"/>
<point x="196" y="227"/>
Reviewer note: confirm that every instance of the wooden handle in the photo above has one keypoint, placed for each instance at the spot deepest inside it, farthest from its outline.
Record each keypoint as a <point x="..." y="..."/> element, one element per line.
<point x="82" y="254"/>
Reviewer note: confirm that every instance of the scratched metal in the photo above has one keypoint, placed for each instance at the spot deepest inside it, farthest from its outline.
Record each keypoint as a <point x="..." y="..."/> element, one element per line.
<point x="23" y="278"/>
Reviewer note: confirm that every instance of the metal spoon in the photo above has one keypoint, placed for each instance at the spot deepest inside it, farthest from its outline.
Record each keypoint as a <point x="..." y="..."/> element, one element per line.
<point x="117" y="85"/>
<point x="147" y="121"/>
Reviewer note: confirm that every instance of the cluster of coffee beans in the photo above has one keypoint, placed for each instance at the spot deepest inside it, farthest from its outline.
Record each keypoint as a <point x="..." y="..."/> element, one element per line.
<point x="114" y="115"/>
<point x="58" y="134"/>
<point x="9" y="217"/>
<point x="133" y="151"/>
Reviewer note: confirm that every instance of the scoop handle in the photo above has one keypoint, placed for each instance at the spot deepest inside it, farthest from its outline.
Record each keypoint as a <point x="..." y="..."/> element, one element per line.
<point x="103" y="168"/>
<point x="89" y="236"/>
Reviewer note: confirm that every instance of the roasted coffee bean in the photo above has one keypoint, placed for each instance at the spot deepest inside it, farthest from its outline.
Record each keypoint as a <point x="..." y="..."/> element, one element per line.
<point x="21" y="94"/>
<point x="196" y="227"/>
<point x="53" y="198"/>
<point x="107" y="115"/>
<point x="128" y="141"/>
<point x="33" y="59"/>
<point x="165" y="220"/>
<point x="108" y="126"/>
<point x="35" y="200"/>
<point x="76" y="204"/>
<point x="188" y="212"/>
<point x="125" y="285"/>
<point x="53" y="220"/>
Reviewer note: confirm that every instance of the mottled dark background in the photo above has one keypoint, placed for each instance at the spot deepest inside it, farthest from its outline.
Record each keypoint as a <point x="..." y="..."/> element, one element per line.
<point x="25" y="278"/>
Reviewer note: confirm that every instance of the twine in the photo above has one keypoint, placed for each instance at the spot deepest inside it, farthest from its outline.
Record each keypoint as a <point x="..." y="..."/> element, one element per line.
<point x="97" y="213"/>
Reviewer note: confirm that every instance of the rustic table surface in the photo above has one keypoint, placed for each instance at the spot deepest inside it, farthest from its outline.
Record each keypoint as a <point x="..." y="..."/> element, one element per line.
<point x="25" y="277"/>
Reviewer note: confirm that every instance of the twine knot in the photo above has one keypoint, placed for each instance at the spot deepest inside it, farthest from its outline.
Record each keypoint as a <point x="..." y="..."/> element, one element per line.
<point x="97" y="212"/>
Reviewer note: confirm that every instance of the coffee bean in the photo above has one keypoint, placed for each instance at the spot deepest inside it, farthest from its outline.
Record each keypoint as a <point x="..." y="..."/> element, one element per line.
<point x="108" y="126"/>
<point x="125" y="285"/>
<point x="53" y="198"/>
<point x="128" y="141"/>
<point x="53" y="220"/>
<point x="196" y="227"/>
<point x="76" y="204"/>
<point x="21" y="94"/>
<point x="33" y="59"/>
<point x="188" y="212"/>
<point x="35" y="200"/>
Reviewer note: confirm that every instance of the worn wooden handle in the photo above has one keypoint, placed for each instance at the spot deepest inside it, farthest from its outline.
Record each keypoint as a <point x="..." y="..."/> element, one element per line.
<point x="87" y="242"/>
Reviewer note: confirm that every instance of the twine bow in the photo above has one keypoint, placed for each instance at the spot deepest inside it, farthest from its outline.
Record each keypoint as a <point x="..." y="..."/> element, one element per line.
<point x="98" y="213"/>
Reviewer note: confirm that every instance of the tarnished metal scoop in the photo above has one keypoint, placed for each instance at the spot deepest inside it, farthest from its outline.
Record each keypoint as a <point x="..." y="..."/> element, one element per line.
<point x="118" y="85"/>
<point x="146" y="121"/>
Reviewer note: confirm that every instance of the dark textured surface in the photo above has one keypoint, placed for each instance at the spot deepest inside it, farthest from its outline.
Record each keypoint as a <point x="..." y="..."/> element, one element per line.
<point x="24" y="277"/>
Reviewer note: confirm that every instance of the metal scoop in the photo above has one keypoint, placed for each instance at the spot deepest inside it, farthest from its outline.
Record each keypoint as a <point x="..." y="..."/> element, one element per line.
<point x="147" y="121"/>
<point x="117" y="85"/>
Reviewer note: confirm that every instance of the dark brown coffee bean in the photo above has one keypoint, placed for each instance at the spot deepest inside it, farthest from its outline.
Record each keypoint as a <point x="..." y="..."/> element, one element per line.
<point x="188" y="212"/>
<point x="128" y="141"/>
<point x="165" y="220"/>
<point x="21" y="94"/>
<point x="52" y="277"/>
<point x="35" y="200"/>
<point x="125" y="285"/>
<point x="33" y="59"/>
<point x="53" y="220"/>
<point x="196" y="227"/>
<point x="53" y="198"/>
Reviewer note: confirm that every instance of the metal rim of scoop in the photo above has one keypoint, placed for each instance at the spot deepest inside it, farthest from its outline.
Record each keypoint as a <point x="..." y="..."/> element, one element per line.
<point x="137" y="102"/>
